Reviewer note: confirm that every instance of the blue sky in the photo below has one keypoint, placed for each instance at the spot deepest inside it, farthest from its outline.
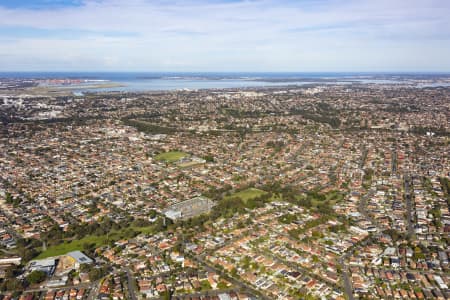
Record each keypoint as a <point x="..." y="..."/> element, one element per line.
<point x="225" y="35"/>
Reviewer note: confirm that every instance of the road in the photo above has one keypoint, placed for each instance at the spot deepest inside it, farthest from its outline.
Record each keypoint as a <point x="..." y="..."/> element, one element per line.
<point x="61" y="288"/>
<point x="205" y="293"/>
<point x="362" y="207"/>
<point x="293" y="265"/>
<point x="298" y="268"/>
<point x="345" y="274"/>
<point x="131" y="287"/>
<point x="348" y="288"/>
<point x="94" y="291"/>
<point x="394" y="161"/>
<point x="246" y="288"/>
<point x="363" y="157"/>
<point x="408" y="198"/>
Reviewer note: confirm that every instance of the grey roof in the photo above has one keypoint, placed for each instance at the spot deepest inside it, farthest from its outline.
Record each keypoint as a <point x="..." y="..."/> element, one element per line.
<point x="80" y="257"/>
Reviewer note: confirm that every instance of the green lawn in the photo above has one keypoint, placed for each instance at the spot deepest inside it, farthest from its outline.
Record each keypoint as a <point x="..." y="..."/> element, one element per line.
<point x="72" y="246"/>
<point x="90" y="239"/>
<point x="144" y="230"/>
<point x="171" y="156"/>
<point x="248" y="194"/>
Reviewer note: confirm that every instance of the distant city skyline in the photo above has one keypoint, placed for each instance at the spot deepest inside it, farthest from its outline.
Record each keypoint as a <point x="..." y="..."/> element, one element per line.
<point x="225" y="35"/>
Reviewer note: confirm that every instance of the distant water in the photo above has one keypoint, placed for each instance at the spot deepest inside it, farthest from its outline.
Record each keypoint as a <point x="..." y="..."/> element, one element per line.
<point x="151" y="81"/>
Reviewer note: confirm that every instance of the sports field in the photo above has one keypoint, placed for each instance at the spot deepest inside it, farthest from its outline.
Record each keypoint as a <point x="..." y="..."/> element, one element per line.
<point x="171" y="156"/>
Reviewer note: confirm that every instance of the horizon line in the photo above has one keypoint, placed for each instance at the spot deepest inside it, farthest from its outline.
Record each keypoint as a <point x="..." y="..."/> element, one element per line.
<point x="231" y="72"/>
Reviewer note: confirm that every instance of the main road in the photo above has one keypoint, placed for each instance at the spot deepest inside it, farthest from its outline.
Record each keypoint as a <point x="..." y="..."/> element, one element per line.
<point x="362" y="207"/>
<point x="130" y="285"/>
<point x="348" y="288"/>
<point x="408" y="199"/>
<point x="240" y="284"/>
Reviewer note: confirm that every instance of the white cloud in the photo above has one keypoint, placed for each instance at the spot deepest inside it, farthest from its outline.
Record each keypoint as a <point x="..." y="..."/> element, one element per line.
<point x="235" y="35"/>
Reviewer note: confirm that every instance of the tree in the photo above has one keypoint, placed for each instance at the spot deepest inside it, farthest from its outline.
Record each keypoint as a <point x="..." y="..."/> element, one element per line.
<point x="209" y="158"/>
<point x="222" y="285"/>
<point x="166" y="295"/>
<point x="85" y="268"/>
<point x="89" y="247"/>
<point x="97" y="273"/>
<point x="27" y="253"/>
<point x="11" y="284"/>
<point x="36" y="277"/>
<point x="233" y="272"/>
<point x="152" y="213"/>
<point x="12" y="271"/>
<point x="9" y="198"/>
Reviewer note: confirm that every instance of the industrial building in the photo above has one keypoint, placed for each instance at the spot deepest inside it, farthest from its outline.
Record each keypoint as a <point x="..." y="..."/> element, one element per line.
<point x="189" y="208"/>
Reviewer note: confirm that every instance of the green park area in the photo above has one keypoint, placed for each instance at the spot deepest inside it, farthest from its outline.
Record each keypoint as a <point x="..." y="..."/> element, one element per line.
<point x="331" y="198"/>
<point x="72" y="246"/>
<point x="250" y="193"/>
<point x="92" y="241"/>
<point x="321" y="202"/>
<point x="171" y="156"/>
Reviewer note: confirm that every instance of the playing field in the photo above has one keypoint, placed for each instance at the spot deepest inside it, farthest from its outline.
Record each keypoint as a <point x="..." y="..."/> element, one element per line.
<point x="171" y="156"/>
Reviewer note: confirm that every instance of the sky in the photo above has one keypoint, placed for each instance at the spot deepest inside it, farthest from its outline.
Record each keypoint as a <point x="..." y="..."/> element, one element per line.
<point x="225" y="35"/>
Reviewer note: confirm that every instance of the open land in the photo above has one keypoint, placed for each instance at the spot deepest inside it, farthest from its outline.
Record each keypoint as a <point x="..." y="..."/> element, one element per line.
<point x="171" y="156"/>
